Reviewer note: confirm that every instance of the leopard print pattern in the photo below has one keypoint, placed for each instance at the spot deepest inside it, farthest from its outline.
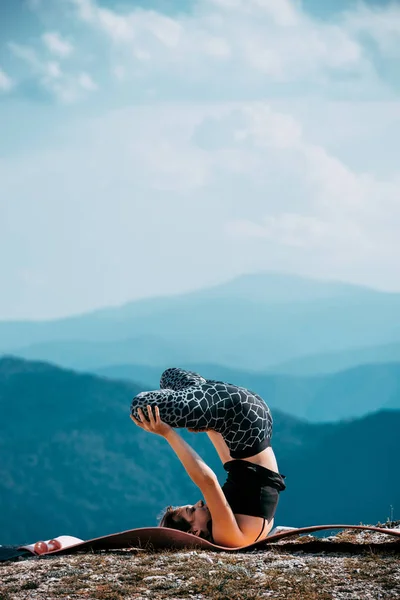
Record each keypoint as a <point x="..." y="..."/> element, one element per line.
<point x="178" y="379"/>
<point x="189" y="400"/>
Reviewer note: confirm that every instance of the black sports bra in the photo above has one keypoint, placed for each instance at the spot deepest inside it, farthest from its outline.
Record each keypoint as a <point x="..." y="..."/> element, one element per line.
<point x="251" y="489"/>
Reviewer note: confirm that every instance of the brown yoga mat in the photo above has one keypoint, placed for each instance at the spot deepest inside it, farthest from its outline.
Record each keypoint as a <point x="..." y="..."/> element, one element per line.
<point x="160" y="538"/>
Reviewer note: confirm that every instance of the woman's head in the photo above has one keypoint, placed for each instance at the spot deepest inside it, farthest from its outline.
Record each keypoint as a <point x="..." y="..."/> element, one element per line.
<point x="193" y="518"/>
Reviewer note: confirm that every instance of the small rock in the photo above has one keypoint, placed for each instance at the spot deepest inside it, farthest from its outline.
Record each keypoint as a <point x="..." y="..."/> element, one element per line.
<point x="154" y="578"/>
<point x="208" y="558"/>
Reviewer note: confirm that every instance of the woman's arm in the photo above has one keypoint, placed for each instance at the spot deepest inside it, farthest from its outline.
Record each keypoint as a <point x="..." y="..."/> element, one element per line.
<point x="198" y="471"/>
<point x="226" y="531"/>
<point x="220" y="445"/>
<point x="218" y="442"/>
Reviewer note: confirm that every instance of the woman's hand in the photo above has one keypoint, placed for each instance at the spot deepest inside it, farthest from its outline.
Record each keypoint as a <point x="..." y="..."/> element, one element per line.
<point x="153" y="424"/>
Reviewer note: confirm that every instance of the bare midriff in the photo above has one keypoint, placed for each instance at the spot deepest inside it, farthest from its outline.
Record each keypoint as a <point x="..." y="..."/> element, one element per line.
<point x="266" y="459"/>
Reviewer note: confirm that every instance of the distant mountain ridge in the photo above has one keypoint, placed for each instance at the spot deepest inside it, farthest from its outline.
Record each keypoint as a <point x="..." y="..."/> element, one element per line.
<point x="277" y="288"/>
<point x="252" y="323"/>
<point x="72" y="462"/>
<point x="319" y="364"/>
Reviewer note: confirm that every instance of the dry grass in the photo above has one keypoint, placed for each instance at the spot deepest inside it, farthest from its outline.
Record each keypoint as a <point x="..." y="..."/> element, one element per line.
<point x="276" y="573"/>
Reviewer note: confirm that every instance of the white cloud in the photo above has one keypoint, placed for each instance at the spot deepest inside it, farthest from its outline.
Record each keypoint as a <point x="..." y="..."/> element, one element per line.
<point x="338" y="212"/>
<point x="6" y="83"/>
<point x="244" y="46"/>
<point x="87" y="83"/>
<point x="273" y="38"/>
<point x="86" y="9"/>
<point x="296" y="230"/>
<point x="116" y="26"/>
<point x="66" y="87"/>
<point x="126" y="28"/>
<point x="270" y="128"/>
<point x="165" y="29"/>
<point x="141" y="54"/>
<point x="53" y="70"/>
<point x="119" y="72"/>
<point x="204" y="172"/>
<point x="57" y="45"/>
<point x="220" y="189"/>
<point x="217" y="47"/>
<point x="284" y="13"/>
<point x="25" y="53"/>
<point x="380" y="24"/>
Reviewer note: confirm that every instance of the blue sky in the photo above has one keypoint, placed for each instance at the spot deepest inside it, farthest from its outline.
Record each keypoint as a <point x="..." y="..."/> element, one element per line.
<point x="155" y="148"/>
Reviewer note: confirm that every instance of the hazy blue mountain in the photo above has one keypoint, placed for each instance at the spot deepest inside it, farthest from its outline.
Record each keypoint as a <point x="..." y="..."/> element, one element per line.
<point x="82" y="355"/>
<point x="252" y="322"/>
<point x="282" y="288"/>
<point x="347" y="394"/>
<point x="347" y="475"/>
<point x="145" y="373"/>
<point x="72" y="462"/>
<point x="338" y="361"/>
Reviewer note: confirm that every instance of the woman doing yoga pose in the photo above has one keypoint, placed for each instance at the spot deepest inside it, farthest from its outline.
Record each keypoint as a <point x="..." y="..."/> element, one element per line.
<point x="239" y="424"/>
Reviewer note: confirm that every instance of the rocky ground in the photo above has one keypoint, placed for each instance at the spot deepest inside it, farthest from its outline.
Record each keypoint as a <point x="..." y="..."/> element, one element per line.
<point x="345" y="566"/>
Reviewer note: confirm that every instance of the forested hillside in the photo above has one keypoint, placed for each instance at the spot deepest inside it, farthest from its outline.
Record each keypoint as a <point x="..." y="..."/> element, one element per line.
<point x="72" y="462"/>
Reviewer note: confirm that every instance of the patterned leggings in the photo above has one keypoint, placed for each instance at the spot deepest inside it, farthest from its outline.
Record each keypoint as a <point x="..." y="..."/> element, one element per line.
<point x="188" y="400"/>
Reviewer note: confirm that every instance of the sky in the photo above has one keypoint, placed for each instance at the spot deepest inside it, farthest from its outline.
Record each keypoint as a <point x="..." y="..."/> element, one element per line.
<point x="157" y="147"/>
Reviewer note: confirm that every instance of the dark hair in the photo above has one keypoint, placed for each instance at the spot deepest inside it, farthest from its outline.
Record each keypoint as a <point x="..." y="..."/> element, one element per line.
<point x="173" y="520"/>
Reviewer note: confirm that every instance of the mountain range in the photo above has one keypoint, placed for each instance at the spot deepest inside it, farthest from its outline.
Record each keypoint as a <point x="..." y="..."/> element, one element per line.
<point x="72" y="462"/>
<point x="256" y="322"/>
<point x="333" y="362"/>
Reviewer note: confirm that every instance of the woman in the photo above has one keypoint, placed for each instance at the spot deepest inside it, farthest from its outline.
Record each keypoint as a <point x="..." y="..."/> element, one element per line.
<point x="239" y="424"/>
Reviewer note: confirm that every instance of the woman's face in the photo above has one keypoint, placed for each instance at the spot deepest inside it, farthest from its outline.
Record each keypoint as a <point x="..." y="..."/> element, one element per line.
<point x="197" y="515"/>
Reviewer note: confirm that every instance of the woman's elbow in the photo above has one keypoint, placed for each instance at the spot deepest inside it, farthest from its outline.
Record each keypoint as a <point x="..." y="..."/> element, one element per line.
<point x="207" y="479"/>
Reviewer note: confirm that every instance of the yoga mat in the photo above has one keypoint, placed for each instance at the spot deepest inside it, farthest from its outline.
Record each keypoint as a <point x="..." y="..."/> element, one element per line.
<point x="160" y="538"/>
